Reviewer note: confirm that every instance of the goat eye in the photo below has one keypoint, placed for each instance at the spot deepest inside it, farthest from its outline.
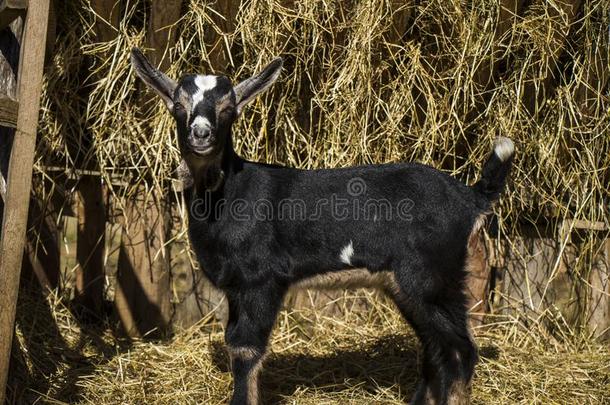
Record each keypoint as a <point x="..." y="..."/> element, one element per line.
<point x="226" y="109"/>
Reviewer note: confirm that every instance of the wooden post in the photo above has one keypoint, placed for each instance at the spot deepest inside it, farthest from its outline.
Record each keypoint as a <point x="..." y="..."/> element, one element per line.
<point x="42" y="259"/>
<point x="20" y="176"/>
<point x="91" y="214"/>
<point x="479" y="272"/>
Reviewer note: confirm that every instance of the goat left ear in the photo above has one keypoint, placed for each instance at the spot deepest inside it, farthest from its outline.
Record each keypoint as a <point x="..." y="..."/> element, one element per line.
<point x="250" y="88"/>
<point x="154" y="78"/>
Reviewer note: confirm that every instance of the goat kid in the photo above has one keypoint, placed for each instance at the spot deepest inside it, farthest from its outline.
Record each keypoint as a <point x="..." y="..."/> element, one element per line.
<point x="405" y="228"/>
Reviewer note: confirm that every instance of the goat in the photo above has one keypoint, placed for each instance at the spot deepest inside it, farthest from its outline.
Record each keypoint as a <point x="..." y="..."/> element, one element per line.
<point x="260" y="229"/>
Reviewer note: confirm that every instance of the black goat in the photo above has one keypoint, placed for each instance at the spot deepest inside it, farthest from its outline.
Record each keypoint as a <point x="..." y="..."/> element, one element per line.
<point x="260" y="229"/>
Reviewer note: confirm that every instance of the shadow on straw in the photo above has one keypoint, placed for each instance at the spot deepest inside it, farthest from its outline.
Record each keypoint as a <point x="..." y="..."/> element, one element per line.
<point x="391" y="362"/>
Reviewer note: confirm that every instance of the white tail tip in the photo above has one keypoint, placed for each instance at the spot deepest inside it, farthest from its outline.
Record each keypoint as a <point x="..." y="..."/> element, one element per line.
<point x="504" y="148"/>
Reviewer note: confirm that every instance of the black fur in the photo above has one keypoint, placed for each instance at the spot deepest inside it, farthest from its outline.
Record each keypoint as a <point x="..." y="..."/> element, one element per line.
<point x="252" y="249"/>
<point x="495" y="172"/>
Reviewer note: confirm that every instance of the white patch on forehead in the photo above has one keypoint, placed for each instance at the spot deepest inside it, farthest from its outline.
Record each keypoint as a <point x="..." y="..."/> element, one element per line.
<point x="201" y="122"/>
<point x="203" y="83"/>
<point x="346" y="253"/>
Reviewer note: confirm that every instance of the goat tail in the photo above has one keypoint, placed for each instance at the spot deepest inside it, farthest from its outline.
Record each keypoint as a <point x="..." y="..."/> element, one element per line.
<point x="496" y="169"/>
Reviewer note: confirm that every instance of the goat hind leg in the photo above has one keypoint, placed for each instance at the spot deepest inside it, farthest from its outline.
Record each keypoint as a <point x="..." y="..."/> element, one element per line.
<point x="449" y="352"/>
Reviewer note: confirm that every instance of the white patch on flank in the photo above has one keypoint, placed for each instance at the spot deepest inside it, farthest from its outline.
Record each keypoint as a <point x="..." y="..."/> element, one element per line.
<point x="201" y="122"/>
<point x="203" y="83"/>
<point x="504" y="148"/>
<point x="347" y="253"/>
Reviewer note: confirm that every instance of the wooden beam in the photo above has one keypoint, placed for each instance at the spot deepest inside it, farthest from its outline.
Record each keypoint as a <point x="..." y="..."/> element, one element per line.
<point x="10" y="10"/>
<point x="9" y="109"/>
<point x="20" y="176"/>
<point x="570" y="225"/>
<point x="590" y="225"/>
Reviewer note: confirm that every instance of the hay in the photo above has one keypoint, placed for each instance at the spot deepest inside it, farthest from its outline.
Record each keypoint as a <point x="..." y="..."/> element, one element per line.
<point x="365" y="82"/>
<point x="358" y="357"/>
<point x="354" y="91"/>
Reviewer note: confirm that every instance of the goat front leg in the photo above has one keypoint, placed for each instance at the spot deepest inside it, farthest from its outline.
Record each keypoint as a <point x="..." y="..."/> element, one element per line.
<point x="252" y="314"/>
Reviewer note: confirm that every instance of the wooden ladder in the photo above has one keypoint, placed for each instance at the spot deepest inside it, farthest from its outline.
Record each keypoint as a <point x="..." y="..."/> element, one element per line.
<point x="21" y="114"/>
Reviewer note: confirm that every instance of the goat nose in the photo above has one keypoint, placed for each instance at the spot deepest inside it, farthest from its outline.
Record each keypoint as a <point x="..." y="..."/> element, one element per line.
<point x="201" y="132"/>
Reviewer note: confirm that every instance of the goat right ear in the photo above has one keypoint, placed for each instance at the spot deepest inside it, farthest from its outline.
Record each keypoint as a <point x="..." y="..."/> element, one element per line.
<point x="154" y="78"/>
<point x="249" y="88"/>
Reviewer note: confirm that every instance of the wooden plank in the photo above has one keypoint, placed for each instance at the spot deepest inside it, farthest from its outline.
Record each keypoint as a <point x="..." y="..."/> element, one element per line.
<point x="91" y="232"/>
<point x="143" y="295"/>
<point x="10" y="10"/>
<point x="599" y="300"/>
<point x="20" y="176"/>
<point x="569" y="226"/>
<point x="164" y="14"/>
<point x="9" y="109"/>
<point x="539" y="276"/>
<point x="223" y="18"/>
<point x="585" y="224"/>
<point x="89" y="204"/>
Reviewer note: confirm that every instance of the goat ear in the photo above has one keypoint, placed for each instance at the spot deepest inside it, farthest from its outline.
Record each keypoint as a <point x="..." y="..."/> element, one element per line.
<point x="154" y="78"/>
<point x="250" y="88"/>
